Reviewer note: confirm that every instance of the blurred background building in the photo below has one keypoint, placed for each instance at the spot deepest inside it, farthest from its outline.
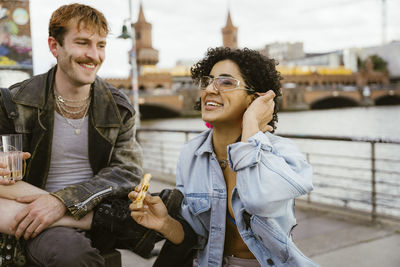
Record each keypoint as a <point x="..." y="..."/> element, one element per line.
<point x="345" y="77"/>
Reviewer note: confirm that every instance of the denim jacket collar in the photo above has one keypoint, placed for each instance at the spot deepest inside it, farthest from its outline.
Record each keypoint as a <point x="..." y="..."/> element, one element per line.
<point x="104" y="110"/>
<point x="207" y="145"/>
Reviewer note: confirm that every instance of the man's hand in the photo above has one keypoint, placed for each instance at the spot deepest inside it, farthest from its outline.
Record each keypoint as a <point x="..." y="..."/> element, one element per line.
<point x="41" y="211"/>
<point x="258" y="115"/>
<point x="4" y="171"/>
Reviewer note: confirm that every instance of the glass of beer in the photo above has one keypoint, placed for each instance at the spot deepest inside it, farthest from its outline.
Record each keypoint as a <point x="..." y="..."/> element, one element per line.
<point x="11" y="155"/>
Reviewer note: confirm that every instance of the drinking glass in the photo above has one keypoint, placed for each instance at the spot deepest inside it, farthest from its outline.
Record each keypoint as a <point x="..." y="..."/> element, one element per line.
<point x="11" y="155"/>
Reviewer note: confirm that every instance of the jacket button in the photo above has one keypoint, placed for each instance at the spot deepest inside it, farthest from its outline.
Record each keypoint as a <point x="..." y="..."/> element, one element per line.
<point x="270" y="262"/>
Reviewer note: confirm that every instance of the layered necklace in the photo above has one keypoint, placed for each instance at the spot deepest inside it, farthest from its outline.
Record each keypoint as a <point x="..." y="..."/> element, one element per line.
<point x="70" y="108"/>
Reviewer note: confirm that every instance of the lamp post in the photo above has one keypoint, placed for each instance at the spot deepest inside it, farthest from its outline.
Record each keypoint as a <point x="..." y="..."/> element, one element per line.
<point x="132" y="57"/>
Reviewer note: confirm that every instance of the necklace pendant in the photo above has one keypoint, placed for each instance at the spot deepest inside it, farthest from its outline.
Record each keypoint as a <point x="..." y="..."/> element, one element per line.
<point x="77" y="131"/>
<point x="223" y="163"/>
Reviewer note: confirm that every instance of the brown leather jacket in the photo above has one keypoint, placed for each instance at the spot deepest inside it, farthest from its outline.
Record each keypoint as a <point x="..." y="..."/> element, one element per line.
<point x="114" y="155"/>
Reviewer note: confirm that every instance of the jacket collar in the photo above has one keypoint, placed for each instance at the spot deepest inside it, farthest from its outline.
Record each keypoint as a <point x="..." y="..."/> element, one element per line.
<point x="206" y="146"/>
<point x="35" y="92"/>
<point x="104" y="109"/>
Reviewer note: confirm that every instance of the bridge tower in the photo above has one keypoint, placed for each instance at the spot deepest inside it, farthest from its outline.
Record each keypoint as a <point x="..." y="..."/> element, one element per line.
<point x="229" y="33"/>
<point x="145" y="53"/>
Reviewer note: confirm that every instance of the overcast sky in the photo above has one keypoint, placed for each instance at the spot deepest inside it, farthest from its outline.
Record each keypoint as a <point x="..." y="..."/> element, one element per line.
<point x="184" y="29"/>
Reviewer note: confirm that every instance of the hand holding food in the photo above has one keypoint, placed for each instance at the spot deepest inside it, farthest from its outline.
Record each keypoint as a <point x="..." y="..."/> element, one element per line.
<point x="138" y="202"/>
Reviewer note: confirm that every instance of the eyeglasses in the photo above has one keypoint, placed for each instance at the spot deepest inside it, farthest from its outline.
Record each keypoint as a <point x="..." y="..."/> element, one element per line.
<point x="222" y="83"/>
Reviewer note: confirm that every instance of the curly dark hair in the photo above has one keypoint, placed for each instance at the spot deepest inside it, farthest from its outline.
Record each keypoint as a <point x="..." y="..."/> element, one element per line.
<point x="258" y="71"/>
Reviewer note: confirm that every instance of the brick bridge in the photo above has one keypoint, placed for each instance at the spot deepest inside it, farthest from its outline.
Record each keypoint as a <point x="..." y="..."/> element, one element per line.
<point x="170" y="105"/>
<point x="301" y="98"/>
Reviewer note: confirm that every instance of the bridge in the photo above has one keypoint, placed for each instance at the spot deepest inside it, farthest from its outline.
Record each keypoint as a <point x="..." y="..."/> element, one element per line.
<point x="167" y="104"/>
<point x="321" y="98"/>
<point x="160" y="106"/>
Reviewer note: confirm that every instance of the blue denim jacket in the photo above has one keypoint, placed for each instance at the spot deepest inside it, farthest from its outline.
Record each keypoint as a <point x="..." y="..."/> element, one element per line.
<point x="270" y="173"/>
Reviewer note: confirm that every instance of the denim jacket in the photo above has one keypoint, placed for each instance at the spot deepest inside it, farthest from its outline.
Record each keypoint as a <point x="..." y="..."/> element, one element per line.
<point x="270" y="173"/>
<point x="114" y="155"/>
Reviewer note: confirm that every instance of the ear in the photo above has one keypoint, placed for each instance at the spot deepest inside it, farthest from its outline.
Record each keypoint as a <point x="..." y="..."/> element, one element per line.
<point x="53" y="46"/>
<point x="250" y="99"/>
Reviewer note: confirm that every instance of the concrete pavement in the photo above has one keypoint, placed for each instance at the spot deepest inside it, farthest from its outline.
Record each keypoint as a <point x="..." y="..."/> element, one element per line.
<point x="333" y="242"/>
<point x="328" y="240"/>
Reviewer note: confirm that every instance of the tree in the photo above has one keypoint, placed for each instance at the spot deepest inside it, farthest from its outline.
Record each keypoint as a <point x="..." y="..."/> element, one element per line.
<point x="379" y="64"/>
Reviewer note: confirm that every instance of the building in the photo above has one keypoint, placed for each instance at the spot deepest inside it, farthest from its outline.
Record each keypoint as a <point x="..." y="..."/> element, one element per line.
<point x="346" y="58"/>
<point x="145" y="53"/>
<point x="304" y="74"/>
<point x="229" y="33"/>
<point x="149" y="77"/>
<point x="284" y="51"/>
<point x="349" y="57"/>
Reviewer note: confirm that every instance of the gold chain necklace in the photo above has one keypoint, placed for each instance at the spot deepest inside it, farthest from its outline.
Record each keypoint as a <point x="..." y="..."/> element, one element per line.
<point x="77" y="128"/>
<point x="60" y="105"/>
<point x="63" y="99"/>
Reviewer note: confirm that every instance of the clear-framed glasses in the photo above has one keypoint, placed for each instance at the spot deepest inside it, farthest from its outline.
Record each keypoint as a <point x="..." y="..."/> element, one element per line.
<point x="222" y="83"/>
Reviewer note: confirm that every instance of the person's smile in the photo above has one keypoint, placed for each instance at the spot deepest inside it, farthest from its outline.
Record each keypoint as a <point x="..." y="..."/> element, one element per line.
<point x="211" y="105"/>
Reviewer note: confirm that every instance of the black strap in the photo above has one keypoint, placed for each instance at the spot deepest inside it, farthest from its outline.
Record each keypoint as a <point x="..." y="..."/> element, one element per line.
<point x="9" y="103"/>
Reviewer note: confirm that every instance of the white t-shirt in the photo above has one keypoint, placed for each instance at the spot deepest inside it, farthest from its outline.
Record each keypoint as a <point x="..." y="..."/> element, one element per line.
<point x="69" y="163"/>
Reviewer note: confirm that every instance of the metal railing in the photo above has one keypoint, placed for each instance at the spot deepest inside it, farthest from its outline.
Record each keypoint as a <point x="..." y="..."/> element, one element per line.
<point x="351" y="172"/>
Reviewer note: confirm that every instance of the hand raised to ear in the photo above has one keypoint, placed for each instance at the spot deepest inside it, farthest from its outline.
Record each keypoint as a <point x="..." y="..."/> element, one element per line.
<point x="258" y="115"/>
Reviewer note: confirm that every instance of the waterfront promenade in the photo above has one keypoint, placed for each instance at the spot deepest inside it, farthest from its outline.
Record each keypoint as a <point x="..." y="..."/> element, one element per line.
<point x="328" y="239"/>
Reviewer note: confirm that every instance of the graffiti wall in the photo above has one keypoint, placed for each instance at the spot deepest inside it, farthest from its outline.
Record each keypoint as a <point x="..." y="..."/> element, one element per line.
<point x="15" y="35"/>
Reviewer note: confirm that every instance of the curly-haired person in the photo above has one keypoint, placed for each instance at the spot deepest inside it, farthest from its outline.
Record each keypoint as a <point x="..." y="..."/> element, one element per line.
<point x="239" y="180"/>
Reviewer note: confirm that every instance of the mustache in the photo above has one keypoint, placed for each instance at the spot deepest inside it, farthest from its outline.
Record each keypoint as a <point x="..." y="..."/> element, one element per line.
<point x="88" y="61"/>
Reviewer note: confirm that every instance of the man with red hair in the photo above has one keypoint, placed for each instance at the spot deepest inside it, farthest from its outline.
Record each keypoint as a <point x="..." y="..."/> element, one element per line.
<point x="80" y="132"/>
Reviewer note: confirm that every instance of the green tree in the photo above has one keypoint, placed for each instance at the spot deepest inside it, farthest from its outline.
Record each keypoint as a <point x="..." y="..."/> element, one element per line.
<point x="379" y="63"/>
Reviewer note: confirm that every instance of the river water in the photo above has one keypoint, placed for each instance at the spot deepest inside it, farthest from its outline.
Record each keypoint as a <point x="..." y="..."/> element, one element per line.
<point x="342" y="170"/>
<point x="374" y="122"/>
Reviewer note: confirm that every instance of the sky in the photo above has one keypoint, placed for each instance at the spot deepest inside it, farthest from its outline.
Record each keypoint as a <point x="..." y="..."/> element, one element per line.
<point x="184" y="29"/>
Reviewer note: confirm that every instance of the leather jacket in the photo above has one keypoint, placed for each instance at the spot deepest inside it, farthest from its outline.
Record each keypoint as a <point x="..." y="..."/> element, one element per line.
<point x="114" y="154"/>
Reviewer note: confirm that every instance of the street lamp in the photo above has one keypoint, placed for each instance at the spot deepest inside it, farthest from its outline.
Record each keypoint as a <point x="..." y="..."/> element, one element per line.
<point x="132" y="56"/>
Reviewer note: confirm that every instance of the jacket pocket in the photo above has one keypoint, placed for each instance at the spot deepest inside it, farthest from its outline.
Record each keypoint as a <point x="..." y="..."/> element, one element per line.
<point x="268" y="232"/>
<point x="198" y="202"/>
<point x="199" y="205"/>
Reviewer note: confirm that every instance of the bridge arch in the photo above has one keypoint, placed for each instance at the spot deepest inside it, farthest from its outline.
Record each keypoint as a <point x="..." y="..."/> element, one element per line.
<point x="387" y="100"/>
<point x="157" y="111"/>
<point x="334" y="102"/>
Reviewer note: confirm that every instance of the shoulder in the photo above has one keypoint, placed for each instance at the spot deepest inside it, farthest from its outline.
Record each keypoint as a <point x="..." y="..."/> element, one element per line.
<point x="279" y="140"/>
<point x="191" y="146"/>
<point x="120" y="98"/>
<point x="282" y="145"/>
<point x="32" y="83"/>
<point x="276" y="139"/>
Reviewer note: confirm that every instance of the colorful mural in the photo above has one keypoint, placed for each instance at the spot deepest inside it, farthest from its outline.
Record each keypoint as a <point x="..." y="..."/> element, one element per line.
<point x="15" y="35"/>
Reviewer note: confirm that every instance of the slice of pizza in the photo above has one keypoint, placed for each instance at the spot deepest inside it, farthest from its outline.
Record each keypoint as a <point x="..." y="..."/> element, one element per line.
<point x="144" y="185"/>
